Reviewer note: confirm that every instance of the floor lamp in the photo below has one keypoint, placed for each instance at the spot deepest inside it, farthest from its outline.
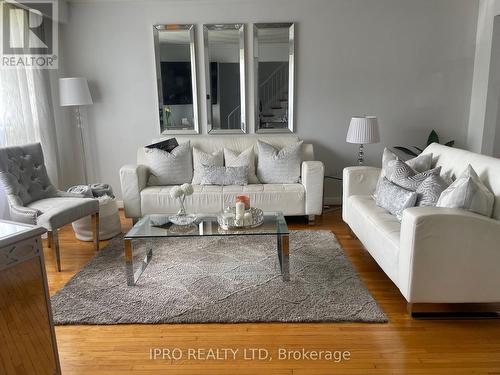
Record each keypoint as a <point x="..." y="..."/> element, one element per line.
<point x="74" y="92"/>
<point x="363" y="130"/>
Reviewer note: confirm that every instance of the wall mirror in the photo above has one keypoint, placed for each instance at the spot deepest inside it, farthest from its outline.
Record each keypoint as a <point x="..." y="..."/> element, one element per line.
<point x="176" y="78"/>
<point x="274" y="76"/>
<point x="225" y="77"/>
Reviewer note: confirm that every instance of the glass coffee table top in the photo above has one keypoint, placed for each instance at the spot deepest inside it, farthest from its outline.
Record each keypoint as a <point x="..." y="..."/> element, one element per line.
<point x="153" y="226"/>
<point x="157" y="226"/>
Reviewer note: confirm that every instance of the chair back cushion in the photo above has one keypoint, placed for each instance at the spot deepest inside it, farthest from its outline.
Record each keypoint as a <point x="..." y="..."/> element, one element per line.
<point x="454" y="161"/>
<point x="23" y="173"/>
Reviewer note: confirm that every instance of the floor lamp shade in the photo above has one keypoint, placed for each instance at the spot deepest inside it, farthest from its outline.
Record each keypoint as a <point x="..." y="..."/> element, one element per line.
<point x="74" y="92"/>
<point x="363" y="130"/>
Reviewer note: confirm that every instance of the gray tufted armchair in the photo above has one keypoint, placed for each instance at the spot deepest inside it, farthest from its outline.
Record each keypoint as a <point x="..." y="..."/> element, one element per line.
<point x="34" y="200"/>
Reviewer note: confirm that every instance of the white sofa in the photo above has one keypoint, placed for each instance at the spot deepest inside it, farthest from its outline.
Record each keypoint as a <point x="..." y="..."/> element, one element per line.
<point x="304" y="198"/>
<point x="435" y="255"/>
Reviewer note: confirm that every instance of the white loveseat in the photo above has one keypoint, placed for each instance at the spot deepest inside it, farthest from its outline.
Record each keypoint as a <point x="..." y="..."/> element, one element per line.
<point x="304" y="198"/>
<point x="435" y="255"/>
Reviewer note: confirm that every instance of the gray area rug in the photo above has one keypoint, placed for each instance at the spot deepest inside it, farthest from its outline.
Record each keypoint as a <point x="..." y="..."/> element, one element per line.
<point x="216" y="279"/>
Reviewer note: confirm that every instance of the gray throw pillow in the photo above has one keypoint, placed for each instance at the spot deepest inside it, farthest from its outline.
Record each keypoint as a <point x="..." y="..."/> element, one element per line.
<point x="421" y="163"/>
<point x="430" y="190"/>
<point x="469" y="193"/>
<point x="201" y="159"/>
<point x="279" y="166"/>
<point x="403" y="175"/>
<point x="245" y="158"/>
<point x="394" y="198"/>
<point x="170" y="168"/>
<point x="213" y="175"/>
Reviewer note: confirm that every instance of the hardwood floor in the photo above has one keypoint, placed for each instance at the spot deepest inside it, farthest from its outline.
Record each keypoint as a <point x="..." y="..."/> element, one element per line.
<point x="403" y="346"/>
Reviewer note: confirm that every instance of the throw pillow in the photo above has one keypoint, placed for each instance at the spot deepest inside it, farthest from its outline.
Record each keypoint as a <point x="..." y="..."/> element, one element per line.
<point x="170" y="168"/>
<point x="245" y="158"/>
<point x="394" y="198"/>
<point x="429" y="191"/>
<point x="216" y="175"/>
<point x="421" y="163"/>
<point x="405" y="176"/>
<point x="201" y="158"/>
<point x="468" y="192"/>
<point x="279" y="166"/>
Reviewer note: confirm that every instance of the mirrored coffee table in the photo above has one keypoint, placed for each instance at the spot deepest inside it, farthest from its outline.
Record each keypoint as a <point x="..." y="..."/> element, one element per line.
<point x="205" y="225"/>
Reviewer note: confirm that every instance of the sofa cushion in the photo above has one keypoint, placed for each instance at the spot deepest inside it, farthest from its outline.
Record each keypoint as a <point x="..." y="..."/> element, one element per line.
<point x="468" y="193"/>
<point x="279" y="166"/>
<point x="378" y="230"/>
<point x="215" y="175"/>
<point x="200" y="159"/>
<point x="245" y="158"/>
<point x="405" y="176"/>
<point x="287" y="198"/>
<point x="170" y="168"/>
<point x="430" y="190"/>
<point x="394" y="198"/>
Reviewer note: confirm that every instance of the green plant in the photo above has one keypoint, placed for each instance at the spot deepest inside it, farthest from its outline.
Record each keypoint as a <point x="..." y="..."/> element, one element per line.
<point x="433" y="138"/>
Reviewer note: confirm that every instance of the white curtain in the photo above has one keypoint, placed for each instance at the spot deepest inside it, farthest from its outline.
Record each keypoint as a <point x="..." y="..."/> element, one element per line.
<point x="27" y="113"/>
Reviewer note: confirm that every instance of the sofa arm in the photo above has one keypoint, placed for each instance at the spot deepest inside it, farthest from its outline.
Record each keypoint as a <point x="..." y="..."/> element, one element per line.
<point x="133" y="179"/>
<point x="358" y="181"/>
<point x="449" y="256"/>
<point x="313" y="174"/>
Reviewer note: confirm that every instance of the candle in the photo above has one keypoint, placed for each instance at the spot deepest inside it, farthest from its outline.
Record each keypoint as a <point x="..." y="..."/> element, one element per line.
<point x="240" y="210"/>
<point x="247" y="218"/>
<point x="245" y="199"/>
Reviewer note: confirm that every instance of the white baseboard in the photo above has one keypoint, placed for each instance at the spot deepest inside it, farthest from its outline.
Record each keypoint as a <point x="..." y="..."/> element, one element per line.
<point x="335" y="201"/>
<point x="119" y="203"/>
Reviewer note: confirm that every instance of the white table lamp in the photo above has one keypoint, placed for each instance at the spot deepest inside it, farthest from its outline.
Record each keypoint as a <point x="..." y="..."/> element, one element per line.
<point x="75" y="92"/>
<point x="363" y="130"/>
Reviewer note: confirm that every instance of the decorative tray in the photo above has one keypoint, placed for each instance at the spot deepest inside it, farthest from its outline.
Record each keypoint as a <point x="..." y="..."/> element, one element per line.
<point x="227" y="220"/>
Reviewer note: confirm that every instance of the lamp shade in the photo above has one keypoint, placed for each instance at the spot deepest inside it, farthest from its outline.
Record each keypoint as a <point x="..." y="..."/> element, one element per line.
<point x="74" y="91"/>
<point x="363" y="130"/>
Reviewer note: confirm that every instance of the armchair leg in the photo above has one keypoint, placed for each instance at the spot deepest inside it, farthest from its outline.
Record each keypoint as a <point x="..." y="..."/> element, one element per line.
<point x="95" y="226"/>
<point x="54" y="238"/>
<point x="49" y="239"/>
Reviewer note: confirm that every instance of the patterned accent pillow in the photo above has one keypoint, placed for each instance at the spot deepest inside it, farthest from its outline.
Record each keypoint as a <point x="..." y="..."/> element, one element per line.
<point x="469" y="193"/>
<point x="430" y="190"/>
<point x="403" y="175"/>
<point x="214" y="175"/>
<point x="245" y="158"/>
<point x="421" y="163"/>
<point x="279" y="166"/>
<point x="201" y="159"/>
<point x="394" y="198"/>
<point x="170" y="168"/>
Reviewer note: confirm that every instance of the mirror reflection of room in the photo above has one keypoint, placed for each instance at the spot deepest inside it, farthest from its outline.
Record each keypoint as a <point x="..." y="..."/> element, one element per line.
<point x="224" y="49"/>
<point x="177" y="109"/>
<point x="273" y="56"/>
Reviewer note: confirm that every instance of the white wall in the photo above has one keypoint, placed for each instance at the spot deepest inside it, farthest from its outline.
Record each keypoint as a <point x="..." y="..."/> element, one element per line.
<point x="409" y="62"/>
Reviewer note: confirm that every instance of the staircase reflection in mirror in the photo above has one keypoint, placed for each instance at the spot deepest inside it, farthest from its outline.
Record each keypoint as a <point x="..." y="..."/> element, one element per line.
<point x="274" y="72"/>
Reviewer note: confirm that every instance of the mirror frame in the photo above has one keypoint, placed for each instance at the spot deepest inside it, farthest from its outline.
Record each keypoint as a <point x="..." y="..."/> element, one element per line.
<point x="241" y="29"/>
<point x="291" y="76"/>
<point x="191" y="28"/>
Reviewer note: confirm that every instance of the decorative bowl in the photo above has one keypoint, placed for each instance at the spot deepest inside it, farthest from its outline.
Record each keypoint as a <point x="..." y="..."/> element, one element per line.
<point x="182" y="219"/>
<point x="227" y="219"/>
